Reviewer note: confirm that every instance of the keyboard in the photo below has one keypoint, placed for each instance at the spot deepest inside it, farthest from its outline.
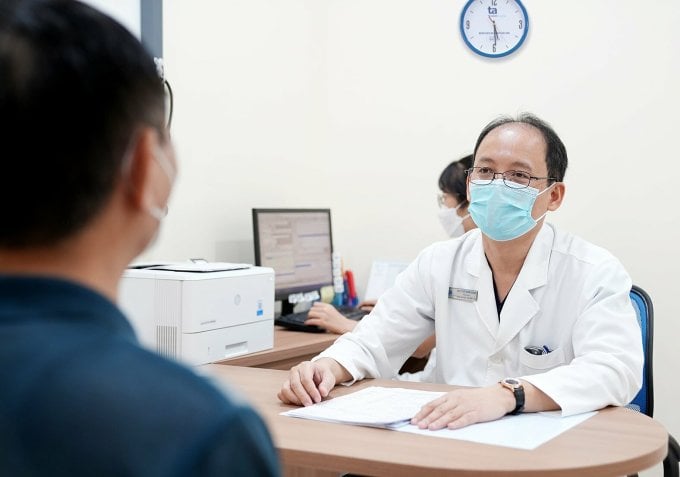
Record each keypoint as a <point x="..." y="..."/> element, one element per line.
<point x="296" y="321"/>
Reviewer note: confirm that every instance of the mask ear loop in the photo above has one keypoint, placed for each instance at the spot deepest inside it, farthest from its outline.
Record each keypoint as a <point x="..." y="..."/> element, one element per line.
<point x="544" y="190"/>
<point x="466" y="216"/>
<point x="156" y="212"/>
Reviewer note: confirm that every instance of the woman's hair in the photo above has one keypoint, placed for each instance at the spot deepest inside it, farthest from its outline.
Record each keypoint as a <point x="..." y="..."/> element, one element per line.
<point x="452" y="179"/>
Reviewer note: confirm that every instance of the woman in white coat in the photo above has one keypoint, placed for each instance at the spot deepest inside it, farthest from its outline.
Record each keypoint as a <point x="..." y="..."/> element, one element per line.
<point x="531" y="318"/>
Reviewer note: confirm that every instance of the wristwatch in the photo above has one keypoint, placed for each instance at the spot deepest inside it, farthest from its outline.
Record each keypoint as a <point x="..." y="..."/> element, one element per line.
<point x="517" y="389"/>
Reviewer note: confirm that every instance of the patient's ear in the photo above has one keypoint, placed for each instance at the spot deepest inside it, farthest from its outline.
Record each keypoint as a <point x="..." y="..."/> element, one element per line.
<point x="138" y="168"/>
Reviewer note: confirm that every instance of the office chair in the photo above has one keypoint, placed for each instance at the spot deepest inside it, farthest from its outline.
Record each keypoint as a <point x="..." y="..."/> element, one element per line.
<point x="644" y="400"/>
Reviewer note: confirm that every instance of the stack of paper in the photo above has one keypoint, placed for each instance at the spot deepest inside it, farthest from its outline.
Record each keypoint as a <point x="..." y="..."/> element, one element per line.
<point x="393" y="408"/>
<point x="373" y="406"/>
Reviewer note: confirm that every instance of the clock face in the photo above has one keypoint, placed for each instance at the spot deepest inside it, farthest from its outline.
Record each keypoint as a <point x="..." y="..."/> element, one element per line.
<point x="494" y="28"/>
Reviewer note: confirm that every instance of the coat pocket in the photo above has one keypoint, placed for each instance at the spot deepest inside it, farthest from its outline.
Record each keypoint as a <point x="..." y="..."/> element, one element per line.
<point x="542" y="361"/>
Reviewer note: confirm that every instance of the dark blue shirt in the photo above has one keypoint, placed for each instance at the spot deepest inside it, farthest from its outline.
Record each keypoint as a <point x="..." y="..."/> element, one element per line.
<point x="80" y="397"/>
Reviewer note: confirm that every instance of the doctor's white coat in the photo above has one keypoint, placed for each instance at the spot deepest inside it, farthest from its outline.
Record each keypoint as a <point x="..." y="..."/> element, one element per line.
<point x="570" y="296"/>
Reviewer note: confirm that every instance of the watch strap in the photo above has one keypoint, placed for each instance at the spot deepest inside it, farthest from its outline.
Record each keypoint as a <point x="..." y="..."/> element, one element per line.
<point x="518" y="391"/>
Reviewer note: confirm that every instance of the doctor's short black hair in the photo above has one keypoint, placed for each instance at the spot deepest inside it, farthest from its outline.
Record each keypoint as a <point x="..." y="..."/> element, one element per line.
<point x="453" y="179"/>
<point x="556" y="152"/>
<point x="75" y="86"/>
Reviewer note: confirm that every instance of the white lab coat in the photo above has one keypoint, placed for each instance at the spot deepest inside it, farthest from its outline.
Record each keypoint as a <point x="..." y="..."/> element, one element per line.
<point x="570" y="296"/>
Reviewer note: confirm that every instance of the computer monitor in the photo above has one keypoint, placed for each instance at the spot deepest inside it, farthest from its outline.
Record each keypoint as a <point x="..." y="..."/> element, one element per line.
<point x="298" y="245"/>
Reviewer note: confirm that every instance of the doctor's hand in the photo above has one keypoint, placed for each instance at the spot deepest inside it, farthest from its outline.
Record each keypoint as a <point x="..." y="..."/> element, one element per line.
<point x="462" y="407"/>
<point x="309" y="382"/>
<point x="327" y="317"/>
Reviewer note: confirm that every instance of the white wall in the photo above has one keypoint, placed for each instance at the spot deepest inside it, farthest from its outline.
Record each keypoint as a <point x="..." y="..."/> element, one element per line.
<point x="357" y="105"/>
<point x="247" y="125"/>
<point x="127" y="12"/>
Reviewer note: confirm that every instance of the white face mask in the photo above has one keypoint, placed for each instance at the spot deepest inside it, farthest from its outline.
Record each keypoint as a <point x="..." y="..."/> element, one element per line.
<point x="451" y="221"/>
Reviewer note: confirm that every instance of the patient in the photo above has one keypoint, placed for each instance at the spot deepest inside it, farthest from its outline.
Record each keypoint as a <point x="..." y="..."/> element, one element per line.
<point x="87" y="169"/>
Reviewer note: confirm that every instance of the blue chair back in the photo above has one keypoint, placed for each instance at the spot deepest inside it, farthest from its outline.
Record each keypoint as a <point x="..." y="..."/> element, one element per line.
<point x="642" y="303"/>
<point x="644" y="401"/>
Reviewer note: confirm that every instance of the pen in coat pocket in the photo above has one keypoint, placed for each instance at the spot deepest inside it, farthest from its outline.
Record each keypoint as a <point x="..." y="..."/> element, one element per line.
<point x="538" y="350"/>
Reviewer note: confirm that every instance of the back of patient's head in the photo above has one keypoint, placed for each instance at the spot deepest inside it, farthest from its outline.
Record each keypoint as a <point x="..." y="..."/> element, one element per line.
<point x="75" y="87"/>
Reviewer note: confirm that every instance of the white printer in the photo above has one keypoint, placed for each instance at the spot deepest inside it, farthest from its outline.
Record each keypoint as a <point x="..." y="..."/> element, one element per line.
<point x="199" y="312"/>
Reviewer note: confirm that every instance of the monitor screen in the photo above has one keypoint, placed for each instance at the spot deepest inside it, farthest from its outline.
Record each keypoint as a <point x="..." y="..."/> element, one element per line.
<point x="298" y="245"/>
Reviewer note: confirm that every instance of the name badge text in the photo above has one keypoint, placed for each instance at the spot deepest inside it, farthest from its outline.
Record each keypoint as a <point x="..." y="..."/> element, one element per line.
<point x="462" y="294"/>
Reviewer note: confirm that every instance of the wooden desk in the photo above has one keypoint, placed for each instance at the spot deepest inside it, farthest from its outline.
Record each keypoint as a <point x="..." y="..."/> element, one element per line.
<point x="290" y="348"/>
<point x="293" y="347"/>
<point x="615" y="442"/>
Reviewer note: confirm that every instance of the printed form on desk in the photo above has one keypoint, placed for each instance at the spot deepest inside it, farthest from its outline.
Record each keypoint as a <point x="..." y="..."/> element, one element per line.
<point x="392" y="408"/>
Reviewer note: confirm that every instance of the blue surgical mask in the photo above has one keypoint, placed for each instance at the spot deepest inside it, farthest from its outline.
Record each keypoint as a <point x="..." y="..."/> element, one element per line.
<point x="501" y="212"/>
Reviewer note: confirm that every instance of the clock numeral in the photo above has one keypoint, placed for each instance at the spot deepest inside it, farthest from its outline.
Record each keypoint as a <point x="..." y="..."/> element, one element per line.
<point x="467" y="24"/>
<point x="521" y="25"/>
<point x="494" y="3"/>
<point x="494" y="48"/>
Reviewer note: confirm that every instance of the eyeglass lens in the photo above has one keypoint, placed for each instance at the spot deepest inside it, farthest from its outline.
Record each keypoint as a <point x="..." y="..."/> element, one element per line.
<point x="484" y="175"/>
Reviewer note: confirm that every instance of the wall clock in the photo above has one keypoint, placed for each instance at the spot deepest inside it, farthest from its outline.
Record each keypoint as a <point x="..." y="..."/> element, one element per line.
<point x="494" y="28"/>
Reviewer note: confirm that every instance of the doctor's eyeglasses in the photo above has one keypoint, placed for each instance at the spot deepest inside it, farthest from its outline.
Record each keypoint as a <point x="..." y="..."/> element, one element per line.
<point x="513" y="179"/>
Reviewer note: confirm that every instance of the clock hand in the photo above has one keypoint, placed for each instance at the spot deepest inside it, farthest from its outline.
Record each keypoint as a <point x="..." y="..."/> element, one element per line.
<point x="495" y="31"/>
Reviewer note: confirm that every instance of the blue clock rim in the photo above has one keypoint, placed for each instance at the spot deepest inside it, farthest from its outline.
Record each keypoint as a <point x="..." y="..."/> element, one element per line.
<point x="490" y="55"/>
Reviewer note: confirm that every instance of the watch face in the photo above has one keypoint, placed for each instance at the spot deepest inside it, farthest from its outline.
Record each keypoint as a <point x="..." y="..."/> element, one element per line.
<point x="511" y="382"/>
<point x="494" y="28"/>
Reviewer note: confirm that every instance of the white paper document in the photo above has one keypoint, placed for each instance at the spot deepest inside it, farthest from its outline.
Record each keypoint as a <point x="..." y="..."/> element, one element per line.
<point x="197" y="266"/>
<point x="393" y="408"/>
<point x="523" y="431"/>
<point x="373" y="406"/>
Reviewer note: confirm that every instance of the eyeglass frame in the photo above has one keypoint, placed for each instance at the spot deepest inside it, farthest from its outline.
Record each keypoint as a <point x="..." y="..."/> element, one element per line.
<point x="442" y="204"/>
<point x="169" y="103"/>
<point x="468" y="173"/>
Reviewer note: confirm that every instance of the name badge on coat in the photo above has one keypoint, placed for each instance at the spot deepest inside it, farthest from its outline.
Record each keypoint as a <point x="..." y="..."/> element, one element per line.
<point x="462" y="294"/>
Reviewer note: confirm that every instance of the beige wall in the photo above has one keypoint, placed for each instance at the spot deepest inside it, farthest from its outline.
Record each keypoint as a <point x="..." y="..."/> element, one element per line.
<point x="357" y="105"/>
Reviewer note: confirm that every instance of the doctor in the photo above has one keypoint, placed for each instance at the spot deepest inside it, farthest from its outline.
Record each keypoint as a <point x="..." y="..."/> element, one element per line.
<point x="526" y="316"/>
